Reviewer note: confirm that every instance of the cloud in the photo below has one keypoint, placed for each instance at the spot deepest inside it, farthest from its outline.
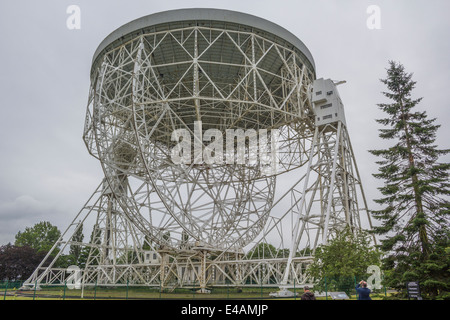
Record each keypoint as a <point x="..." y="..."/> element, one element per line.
<point x="23" y="211"/>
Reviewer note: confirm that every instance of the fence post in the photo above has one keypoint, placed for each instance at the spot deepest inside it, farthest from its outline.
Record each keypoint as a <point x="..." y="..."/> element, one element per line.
<point x="95" y="289"/>
<point x="35" y="285"/>
<point x="295" y="294"/>
<point x="6" y="289"/>
<point x="326" y="289"/>
<point x="127" y="288"/>
<point x="261" y="289"/>
<point x="65" y="284"/>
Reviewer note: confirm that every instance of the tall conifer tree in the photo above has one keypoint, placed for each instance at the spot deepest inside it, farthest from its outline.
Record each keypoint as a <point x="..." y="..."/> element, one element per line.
<point x="415" y="209"/>
<point x="75" y="249"/>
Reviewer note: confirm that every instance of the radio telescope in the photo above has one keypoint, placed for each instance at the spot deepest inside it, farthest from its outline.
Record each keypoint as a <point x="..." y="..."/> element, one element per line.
<point x="280" y="179"/>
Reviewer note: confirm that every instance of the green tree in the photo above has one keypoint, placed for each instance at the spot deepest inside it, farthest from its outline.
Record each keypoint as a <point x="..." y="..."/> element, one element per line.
<point x="19" y="262"/>
<point x="267" y="251"/>
<point x="41" y="237"/>
<point x="75" y="249"/>
<point x="343" y="258"/>
<point x="414" y="212"/>
<point x="92" y="249"/>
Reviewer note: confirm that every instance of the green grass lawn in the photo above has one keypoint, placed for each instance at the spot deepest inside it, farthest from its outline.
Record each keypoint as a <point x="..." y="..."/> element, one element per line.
<point x="100" y="293"/>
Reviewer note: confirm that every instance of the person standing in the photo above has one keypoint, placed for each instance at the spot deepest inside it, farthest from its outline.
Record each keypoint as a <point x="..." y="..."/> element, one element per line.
<point x="308" y="295"/>
<point x="363" y="291"/>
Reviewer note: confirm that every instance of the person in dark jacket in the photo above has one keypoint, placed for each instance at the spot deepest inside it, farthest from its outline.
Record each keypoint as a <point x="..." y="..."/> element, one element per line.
<point x="308" y="295"/>
<point x="363" y="291"/>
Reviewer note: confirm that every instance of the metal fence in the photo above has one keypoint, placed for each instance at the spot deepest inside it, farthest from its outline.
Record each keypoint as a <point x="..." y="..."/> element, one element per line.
<point x="325" y="289"/>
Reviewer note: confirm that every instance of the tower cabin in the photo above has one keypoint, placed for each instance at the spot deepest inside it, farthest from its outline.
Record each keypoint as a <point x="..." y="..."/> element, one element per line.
<point x="327" y="102"/>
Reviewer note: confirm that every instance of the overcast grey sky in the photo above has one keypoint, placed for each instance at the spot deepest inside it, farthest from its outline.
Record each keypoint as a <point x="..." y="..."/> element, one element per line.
<point x="46" y="173"/>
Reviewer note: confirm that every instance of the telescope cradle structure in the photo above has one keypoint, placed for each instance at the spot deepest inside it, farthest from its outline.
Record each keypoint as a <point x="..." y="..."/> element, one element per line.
<point x="201" y="223"/>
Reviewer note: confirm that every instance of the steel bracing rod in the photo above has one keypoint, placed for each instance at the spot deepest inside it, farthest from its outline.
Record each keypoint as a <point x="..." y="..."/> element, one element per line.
<point x="361" y="188"/>
<point x="35" y="277"/>
<point x="136" y="72"/>
<point x="137" y="138"/>
<point x="196" y="86"/>
<point x="346" y="188"/>
<point x="108" y="179"/>
<point x="304" y="218"/>
<point x="296" y="236"/>
<point x="332" y="186"/>
<point x="339" y="141"/>
<point x="271" y="208"/>
<point x="196" y="82"/>
<point x="150" y="176"/>
<point x="254" y="71"/>
<point x="98" y="264"/>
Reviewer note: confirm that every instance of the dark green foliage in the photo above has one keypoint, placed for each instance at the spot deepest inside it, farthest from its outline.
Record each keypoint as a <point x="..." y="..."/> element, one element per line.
<point x="267" y="251"/>
<point x="91" y="250"/>
<point x="75" y="250"/>
<point x="42" y="236"/>
<point x="18" y="262"/>
<point x="414" y="212"/>
<point x="345" y="257"/>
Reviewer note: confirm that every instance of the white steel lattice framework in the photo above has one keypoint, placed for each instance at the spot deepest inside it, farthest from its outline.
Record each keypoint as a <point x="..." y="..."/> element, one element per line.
<point x="203" y="224"/>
